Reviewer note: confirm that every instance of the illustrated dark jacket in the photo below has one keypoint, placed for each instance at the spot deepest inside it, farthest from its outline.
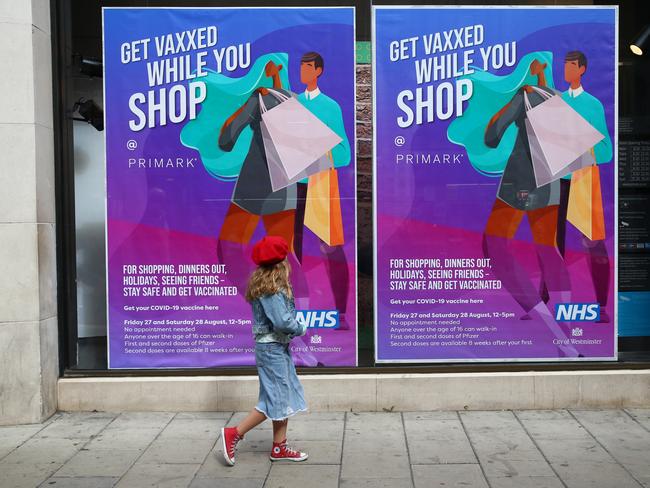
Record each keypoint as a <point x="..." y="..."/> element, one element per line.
<point x="253" y="191"/>
<point x="517" y="187"/>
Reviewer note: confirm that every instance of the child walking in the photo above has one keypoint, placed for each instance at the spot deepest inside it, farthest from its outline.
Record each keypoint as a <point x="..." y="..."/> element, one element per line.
<point x="274" y="325"/>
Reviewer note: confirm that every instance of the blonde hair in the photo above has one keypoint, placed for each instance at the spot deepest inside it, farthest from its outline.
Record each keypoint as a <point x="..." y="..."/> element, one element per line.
<point x="268" y="280"/>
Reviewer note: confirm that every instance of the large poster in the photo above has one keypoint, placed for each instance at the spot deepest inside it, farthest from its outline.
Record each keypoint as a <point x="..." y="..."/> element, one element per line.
<point x="224" y="125"/>
<point x="495" y="183"/>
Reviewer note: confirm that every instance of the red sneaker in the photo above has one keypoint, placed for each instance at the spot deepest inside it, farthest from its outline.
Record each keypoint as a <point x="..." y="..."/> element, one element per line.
<point x="229" y="439"/>
<point x="282" y="452"/>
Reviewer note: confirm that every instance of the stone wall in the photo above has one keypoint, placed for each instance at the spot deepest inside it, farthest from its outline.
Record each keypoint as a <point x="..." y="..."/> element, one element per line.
<point x="28" y="313"/>
<point x="364" y="193"/>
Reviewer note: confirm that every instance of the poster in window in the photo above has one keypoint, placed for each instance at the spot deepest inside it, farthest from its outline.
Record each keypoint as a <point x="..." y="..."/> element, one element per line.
<point x="224" y="125"/>
<point x="495" y="183"/>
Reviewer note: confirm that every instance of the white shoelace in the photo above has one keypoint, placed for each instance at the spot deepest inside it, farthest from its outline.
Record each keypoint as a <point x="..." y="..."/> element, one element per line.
<point x="288" y="449"/>
<point x="233" y="447"/>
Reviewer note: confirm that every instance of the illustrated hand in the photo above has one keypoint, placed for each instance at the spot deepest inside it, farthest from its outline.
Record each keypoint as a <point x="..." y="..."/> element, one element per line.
<point x="528" y="88"/>
<point x="271" y="69"/>
<point x="536" y="67"/>
<point x="262" y="90"/>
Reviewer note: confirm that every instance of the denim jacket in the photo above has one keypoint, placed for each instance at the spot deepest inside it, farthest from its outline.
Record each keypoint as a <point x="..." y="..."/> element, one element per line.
<point x="276" y="313"/>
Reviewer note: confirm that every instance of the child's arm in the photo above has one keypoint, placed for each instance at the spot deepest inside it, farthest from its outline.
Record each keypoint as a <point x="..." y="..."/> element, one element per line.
<point x="282" y="318"/>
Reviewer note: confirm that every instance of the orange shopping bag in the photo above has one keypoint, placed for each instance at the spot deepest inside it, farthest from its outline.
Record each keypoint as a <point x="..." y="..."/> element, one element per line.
<point x="323" y="207"/>
<point x="585" y="209"/>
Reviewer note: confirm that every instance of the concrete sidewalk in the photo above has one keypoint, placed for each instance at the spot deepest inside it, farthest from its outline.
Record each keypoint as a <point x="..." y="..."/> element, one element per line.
<point x="505" y="449"/>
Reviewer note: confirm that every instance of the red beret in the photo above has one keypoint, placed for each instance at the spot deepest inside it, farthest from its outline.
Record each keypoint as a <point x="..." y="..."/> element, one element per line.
<point x="270" y="250"/>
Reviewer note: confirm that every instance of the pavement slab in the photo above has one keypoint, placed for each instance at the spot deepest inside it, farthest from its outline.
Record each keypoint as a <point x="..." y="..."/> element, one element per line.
<point x="468" y="449"/>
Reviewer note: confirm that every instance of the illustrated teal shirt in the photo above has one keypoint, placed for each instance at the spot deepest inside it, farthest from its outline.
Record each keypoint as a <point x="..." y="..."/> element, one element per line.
<point x="329" y="112"/>
<point x="593" y="112"/>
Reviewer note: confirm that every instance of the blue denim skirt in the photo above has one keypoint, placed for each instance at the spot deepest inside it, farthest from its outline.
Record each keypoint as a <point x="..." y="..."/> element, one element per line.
<point x="281" y="394"/>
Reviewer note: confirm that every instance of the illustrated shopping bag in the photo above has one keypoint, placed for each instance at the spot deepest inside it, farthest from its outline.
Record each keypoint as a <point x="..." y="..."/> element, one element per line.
<point x="295" y="138"/>
<point x="560" y="135"/>
<point x="279" y="178"/>
<point x="323" y="207"/>
<point x="543" y="175"/>
<point x="585" y="208"/>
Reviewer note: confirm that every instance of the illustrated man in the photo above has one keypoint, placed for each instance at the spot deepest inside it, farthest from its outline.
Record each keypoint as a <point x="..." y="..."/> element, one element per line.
<point x="329" y="112"/>
<point x="591" y="109"/>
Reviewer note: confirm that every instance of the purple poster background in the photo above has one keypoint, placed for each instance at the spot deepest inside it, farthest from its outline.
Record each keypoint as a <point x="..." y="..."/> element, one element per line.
<point x="163" y="222"/>
<point x="439" y="210"/>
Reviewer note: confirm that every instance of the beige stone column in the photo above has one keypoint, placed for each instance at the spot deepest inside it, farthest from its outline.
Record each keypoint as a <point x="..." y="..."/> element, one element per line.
<point x="28" y="314"/>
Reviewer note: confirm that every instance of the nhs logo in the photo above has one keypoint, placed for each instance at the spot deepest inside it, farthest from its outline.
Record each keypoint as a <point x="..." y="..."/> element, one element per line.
<point x="577" y="312"/>
<point x="319" y="319"/>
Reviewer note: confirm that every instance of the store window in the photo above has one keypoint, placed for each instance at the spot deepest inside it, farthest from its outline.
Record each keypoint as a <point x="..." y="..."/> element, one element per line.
<point x="81" y="183"/>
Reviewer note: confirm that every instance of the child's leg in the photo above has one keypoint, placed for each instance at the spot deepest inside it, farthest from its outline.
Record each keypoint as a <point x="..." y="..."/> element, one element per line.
<point x="252" y="420"/>
<point x="280" y="430"/>
<point x="230" y="436"/>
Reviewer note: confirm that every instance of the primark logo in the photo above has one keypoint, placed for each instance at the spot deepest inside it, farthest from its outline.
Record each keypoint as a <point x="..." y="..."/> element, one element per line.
<point x="577" y="312"/>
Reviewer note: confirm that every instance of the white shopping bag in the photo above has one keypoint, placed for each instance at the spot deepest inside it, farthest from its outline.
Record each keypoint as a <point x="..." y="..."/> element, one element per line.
<point x="558" y="136"/>
<point x="279" y="178"/>
<point x="543" y="175"/>
<point x="295" y="140"/>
